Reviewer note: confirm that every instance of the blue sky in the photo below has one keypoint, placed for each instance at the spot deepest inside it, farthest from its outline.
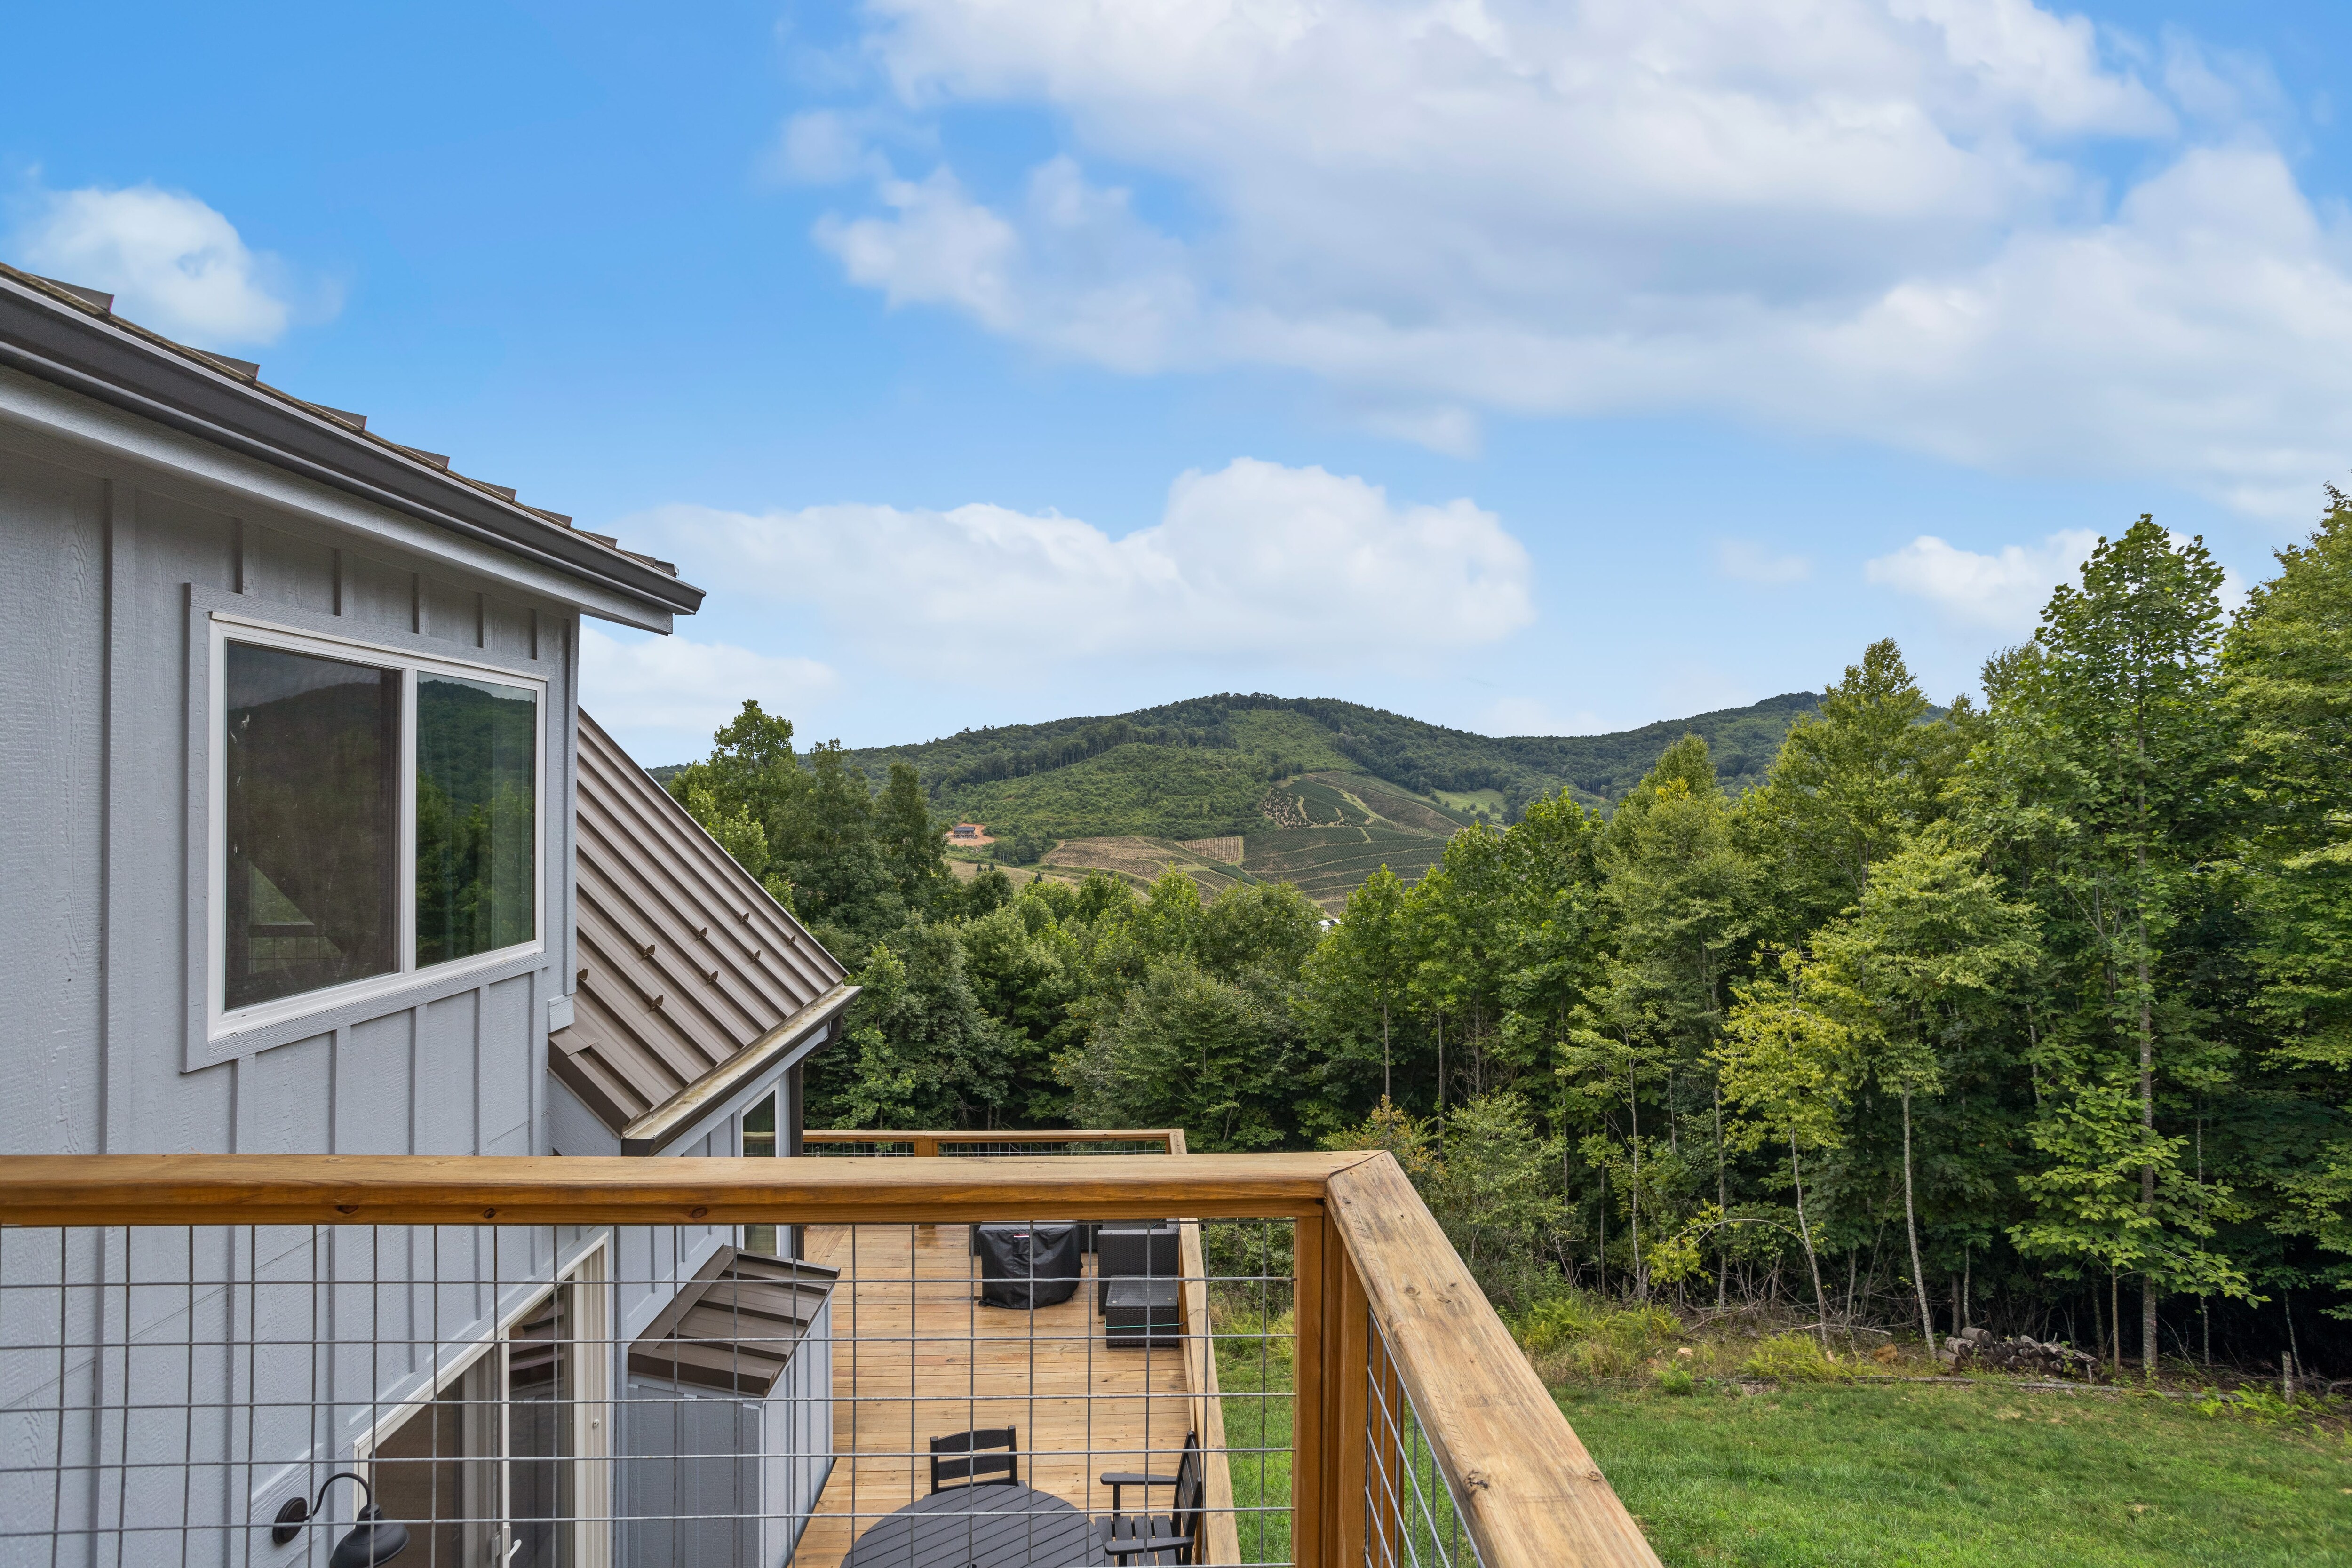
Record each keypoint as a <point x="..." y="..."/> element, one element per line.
<point x="1521" y="367"/>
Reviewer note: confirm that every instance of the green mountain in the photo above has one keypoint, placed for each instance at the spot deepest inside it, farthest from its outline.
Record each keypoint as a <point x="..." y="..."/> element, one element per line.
<point x="1210" y="767"/>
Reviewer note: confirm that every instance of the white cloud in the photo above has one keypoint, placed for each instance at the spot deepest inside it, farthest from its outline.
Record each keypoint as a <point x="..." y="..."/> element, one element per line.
<point x="2004" y="593"/>
<point x="669" y="691"/>
<point x="173" y="263"/>
<point x="1255" y="562"/>
<point x="1744" y="561"/>
<point x="1074" y="270"/>
<point x="1879" y="217"/>
<point x="818" y="148"/>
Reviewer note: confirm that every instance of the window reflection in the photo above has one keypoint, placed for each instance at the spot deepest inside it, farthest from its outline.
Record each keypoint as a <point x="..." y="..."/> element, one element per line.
<point x="312" y="822"/>
<point x="476" y="804"/>
<point x="760" y="1141"/>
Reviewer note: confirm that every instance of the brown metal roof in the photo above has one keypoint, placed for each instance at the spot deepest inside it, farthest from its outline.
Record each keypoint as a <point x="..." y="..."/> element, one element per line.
<point x="736" y="1325"/>
<point x="691" y="979"/>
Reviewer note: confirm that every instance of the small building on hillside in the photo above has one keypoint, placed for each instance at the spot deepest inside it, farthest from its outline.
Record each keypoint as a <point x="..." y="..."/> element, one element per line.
<point x="967" y="836"/>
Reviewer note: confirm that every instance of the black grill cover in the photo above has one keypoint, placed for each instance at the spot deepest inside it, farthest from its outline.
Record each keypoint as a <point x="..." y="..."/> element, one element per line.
<point x="1028" y="1265"/>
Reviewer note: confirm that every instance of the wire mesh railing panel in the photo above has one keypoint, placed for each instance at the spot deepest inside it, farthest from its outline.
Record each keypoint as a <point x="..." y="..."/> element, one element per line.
<point x="1028" y="1392"/>
<point x="1410" y="1518"/>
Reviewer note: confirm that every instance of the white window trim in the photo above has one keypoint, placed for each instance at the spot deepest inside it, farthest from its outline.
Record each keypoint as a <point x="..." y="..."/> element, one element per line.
<point x="222" y="1023"/>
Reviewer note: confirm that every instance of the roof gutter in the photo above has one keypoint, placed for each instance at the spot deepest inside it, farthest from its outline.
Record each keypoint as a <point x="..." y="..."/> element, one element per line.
<point x="71" y="347"/>
<point x="797" y="1035"/>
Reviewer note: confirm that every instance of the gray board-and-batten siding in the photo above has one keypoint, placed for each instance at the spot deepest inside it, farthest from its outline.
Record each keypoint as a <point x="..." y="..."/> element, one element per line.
<point x="113" y="564"/>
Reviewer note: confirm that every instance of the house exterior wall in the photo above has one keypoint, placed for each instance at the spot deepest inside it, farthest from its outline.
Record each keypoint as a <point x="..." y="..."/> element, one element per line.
<point x="116" y="545"/>
<point x="109" y="569"/>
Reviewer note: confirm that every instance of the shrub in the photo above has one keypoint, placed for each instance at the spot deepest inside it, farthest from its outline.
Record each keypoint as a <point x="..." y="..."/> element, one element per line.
<point x="1793" y="1358"/>
<point x="1676" y="1381"/>
<point x="1573" y="1334"/>
<point x="1495" y="1190"/>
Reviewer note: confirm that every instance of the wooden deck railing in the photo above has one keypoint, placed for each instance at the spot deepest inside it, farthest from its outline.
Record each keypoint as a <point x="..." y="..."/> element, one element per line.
<point x="1385" y="1312"/>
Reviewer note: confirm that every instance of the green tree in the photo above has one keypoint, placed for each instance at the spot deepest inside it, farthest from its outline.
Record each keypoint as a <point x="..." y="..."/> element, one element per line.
<point x="1679" y="900"/>
<point x="1787" y="1066"/>
<point x="908" y="838"/>
<point x="1493" y="1190"/>
<point x="1187" y="1049"/>
<point x="923" y="1053"/>
<point x="1460" y="918"/>
<point x="1357" y="978"/>
<point x="1851" y="782"/>
<point x="2286" y="690"/>
<point x="1919" y="969"/>
<point x="1025" y="973"/>
<point x="2106" y="753"/>
<point x="1557" y="927"/>
<point x="826" y="845"/>
<point x="2286" y="685"/>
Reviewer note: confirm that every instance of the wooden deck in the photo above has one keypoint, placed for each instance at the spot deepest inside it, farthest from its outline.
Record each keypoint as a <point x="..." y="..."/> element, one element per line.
<point x="914" y="1356"/>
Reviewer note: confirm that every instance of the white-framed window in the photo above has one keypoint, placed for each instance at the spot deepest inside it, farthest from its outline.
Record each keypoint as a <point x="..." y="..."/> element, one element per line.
<point x="374" y="816"/>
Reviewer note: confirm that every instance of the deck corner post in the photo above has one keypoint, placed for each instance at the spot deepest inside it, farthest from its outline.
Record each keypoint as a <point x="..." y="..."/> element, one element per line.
<point x="1310" y="1442"/>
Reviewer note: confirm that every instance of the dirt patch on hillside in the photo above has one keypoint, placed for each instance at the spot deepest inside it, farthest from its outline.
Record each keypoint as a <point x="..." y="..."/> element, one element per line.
<point x="1226" y="850"/>
<point x="965" y="870"/>
<point x="1138" y="860"/>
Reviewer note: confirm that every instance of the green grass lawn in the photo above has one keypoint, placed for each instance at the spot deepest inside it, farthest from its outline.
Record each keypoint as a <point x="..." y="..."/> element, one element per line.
<point x="1981" y="1477"/>
<point x="1257" y="1417"/>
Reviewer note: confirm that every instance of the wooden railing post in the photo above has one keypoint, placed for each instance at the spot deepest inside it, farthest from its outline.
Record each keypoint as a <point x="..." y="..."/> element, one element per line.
<point x="1310" y="1441"/>
<point x="1346" y="1379"/>
<point x="1330" y="1385"/>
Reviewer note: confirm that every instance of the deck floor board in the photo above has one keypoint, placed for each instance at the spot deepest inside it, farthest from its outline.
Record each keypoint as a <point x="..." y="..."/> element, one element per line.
<point x="915" y="1357"/>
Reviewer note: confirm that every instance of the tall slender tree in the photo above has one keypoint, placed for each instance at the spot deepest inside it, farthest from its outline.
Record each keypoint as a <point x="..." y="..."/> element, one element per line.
<point x="2110" y="758"/>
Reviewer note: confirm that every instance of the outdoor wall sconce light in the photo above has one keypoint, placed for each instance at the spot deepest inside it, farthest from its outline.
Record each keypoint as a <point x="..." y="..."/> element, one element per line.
<point x="373" y="1539"/>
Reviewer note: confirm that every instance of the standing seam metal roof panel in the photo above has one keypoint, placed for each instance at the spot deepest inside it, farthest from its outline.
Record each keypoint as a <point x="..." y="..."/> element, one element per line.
<point x="690" y="976"/>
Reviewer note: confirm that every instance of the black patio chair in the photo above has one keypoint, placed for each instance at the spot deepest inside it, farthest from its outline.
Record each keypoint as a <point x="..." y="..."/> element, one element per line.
<point x="967" y="1456"/>
<point x="1125" y="1251"/>
<point x="1155" y="1538"/>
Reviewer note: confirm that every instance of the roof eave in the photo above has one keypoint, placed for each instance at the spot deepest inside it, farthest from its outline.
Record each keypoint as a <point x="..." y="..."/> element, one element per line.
<point x="665" y="1123"/>
<point x="70" y="345"/>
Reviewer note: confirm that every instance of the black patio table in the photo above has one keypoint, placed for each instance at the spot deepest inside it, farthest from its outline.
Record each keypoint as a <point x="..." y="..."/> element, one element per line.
<point x="980" y="1527"/>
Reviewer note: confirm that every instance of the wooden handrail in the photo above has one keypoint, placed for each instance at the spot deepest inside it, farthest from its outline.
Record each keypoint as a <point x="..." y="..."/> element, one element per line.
<point x="415" y="1189"/>
<point x="1527" y="1491"/>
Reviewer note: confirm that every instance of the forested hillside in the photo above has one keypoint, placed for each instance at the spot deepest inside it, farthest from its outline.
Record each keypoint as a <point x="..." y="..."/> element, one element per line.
<point x="1199" y="767"/>
<point x="2036" y="1016"/>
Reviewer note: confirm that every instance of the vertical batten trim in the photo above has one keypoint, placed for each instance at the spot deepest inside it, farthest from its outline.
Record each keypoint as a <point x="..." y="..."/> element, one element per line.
<point x="338" y="588"/>
<point x="236" y="551"/>
<point x="338" y="1041"/>
<point x="481" y="619"/>
<point x="241" y="1107"/>
<point x="121" y="561"/>
<point x="416" y="603"/>
<point x="564" y="827"/>
<point x="534" y="632"/>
